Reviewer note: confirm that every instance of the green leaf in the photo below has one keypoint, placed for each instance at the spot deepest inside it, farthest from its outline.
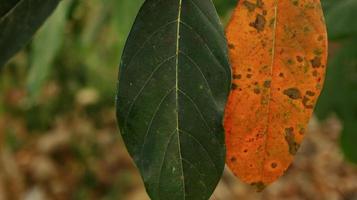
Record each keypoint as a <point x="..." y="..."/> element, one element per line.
<point x="19" y="20"/>
<point x="46" y="45"/>
<point x="173" y="84"/>
<point x="340" y="19"/>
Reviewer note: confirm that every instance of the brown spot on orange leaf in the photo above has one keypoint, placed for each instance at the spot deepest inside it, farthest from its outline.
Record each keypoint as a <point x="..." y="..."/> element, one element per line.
<point x="293" y="93"/>
<point x="249" y="5"/>
<point x="260" y="3"/>
<point x="259" y="23"/>
<point x="238" y="76"/>
<point x="290" y="139"/>
<point x="234" y="86"/>
<point x="316" y="62"/>
<point x="310" y="93"/>
<point x="257" y="91"/>
<point x="299" y="58"/>
<point x="288" y="40"/>
<point x="315" y="73"/>
<point x="267" y="83"/>
<point x="305" y="102"/>
<point x="320" y="38"/>
<point x="302" y="131"/>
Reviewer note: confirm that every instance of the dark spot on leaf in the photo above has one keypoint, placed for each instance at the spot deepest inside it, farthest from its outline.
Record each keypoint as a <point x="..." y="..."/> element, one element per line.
<point x="234" y="86"/>
<point x="316" y="62"/>
<point x="259" y="23"/>
<point x="305" y="102"/>
<point x="250" y="6"/>
<point x="233" y="159"/>
<point x="293" y="93"/>
<point x="318" y="51"/>
<point x="290" y="62"/>
<point x="281" y="75"/>
<point x="260" y="3"/>
<point x="310" y="93"/>
<point x="299" y="59"/>
<point x="314" y="73"/>
<point x="302" y="131"/>
<point x="256" y="91"/>
<point x="267" y="83"/>
<point x="238" y="76"/>
<point x="290" y="139"/>
<point x="320" y="38"/>
<point x="249" y="69"/>
<point x="249" y="75"/>
<point x="274" y="165"/>
<point x="289" y="131"/>
<point x="231" y="46"/>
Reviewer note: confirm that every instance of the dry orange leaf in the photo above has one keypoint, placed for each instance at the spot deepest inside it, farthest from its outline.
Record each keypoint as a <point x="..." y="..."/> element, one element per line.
<point x="278" y="52"/>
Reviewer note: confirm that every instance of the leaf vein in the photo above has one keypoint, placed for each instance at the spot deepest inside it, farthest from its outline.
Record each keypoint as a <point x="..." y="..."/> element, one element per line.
<point x="147" y="40"/>
<point x="206" y="45"/>
<point x="198" y="110"/>
<point x="202" y="146"/>
<point x="204" y="77"/>
<point x="151" y="121"/>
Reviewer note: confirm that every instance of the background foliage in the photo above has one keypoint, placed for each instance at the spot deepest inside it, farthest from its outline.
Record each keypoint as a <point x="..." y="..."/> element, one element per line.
<point x="57" y="96"/>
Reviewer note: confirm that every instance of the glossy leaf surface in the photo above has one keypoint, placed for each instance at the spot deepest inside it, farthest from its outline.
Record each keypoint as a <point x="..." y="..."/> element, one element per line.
<point x="278" y="51"/>
<point x="19" y="20"/>
<point x="174" y="80"/>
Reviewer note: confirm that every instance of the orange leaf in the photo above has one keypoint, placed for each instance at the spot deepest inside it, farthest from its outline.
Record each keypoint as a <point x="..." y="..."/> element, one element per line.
<point x="278" y="52"/>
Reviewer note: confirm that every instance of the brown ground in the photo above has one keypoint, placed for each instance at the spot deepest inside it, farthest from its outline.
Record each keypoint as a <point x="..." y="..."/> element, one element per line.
<point x="77" y="160"/>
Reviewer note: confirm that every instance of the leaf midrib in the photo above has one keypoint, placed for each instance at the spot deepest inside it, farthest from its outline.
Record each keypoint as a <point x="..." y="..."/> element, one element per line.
<point x="270" y="91"/>
<point x="176" y="92"/>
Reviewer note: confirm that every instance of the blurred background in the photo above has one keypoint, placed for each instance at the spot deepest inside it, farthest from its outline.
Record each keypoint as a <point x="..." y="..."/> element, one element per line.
<point x="58" y="134"/>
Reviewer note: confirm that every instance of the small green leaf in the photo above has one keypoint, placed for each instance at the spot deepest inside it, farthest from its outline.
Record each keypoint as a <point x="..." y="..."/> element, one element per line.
<point x="173" y="84"/>
<point x="46" y="44"/>
<point x="19" y="20"/>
